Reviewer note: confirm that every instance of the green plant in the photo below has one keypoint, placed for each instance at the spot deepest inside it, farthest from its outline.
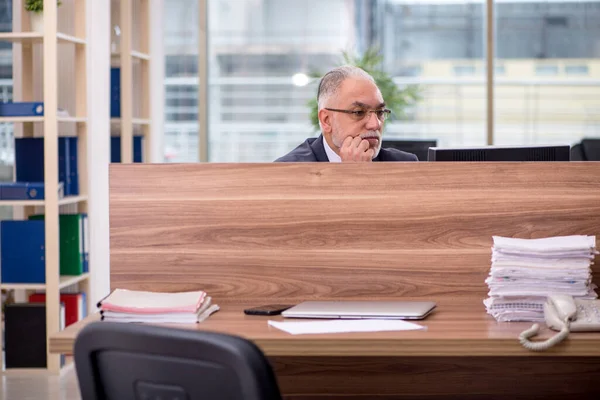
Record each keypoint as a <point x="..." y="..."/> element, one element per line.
<point x="396" y="99"/>
<point x="37" y="6"/>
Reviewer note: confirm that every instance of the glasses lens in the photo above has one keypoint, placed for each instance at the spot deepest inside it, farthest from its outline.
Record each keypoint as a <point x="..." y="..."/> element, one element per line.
<point x="359" y="114"/>
<point x="382" y="114"/>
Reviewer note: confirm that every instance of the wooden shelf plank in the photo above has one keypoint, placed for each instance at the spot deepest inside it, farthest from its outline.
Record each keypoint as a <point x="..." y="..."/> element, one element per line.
<point x="71" y="280"/>
<point x="79" y="120"/>
<point x="21" y="119"/>
<point x="72" y="200"/>
<point x="141" y="121"/>
<point x="140" y="56"/>
<point x="22" y="37"/>
<point x="64" y="282"/>
<point x="35" y="37"/>
<point x="62" y="202"/>
<point x="41" y="119"/>
<point x="23" y="286"/>
<point x="63" y="37"/>
<point x="134" y="121"/>
<point x="134" y="54"/>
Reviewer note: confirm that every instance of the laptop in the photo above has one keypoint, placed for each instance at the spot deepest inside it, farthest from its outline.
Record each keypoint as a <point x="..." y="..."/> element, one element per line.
<point x="361" y="309"/>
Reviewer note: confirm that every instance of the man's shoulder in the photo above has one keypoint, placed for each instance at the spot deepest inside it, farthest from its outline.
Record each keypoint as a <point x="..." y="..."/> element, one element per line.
<point x="302" y="153"/>
<point x="391" y="154"/>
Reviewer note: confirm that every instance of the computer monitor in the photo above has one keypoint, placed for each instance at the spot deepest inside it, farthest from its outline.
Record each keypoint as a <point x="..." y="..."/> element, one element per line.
<point x="501" y="153"/>
<point x="417" y="147"/>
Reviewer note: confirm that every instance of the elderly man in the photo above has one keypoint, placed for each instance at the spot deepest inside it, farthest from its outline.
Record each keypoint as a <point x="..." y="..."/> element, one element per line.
<point x="351" y="115"/>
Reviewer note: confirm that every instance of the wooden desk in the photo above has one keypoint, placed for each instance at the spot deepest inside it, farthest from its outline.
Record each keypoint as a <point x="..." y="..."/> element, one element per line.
<point x="463" y="353"/>
<point x="251" y="234"/>
<point x="453" y="330"/>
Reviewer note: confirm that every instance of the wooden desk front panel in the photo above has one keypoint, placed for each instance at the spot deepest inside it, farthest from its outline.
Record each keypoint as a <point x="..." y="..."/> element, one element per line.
<point x="428" y="378"/>
<point x="289" y="232"/>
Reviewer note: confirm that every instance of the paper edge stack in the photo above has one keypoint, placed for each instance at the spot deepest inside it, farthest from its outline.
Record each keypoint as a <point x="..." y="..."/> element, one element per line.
<point x="527" y="304"/>
<point x="131" y="306"/>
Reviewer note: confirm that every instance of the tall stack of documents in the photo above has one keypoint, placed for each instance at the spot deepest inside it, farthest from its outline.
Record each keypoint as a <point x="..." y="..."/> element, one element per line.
<point x="525" y="271"/>
<point x="155" y="307"/>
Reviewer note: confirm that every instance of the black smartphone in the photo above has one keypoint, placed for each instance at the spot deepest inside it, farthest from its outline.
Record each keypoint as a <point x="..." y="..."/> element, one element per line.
<point x="267" y="309"/>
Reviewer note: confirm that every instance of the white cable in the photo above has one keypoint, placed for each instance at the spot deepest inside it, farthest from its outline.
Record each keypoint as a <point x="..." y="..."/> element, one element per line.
<point x="541" y="346"/>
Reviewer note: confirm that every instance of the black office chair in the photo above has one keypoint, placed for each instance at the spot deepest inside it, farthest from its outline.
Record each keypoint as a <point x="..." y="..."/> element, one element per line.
<point x="591" y="149"/>
<point x="577" y="153"/>
<point x="586" y="150"/>
<point x="135" y="361"/>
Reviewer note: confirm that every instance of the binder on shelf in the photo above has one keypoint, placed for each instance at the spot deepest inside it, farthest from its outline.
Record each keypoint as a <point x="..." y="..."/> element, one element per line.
<point x="71" y="242"/>
<point x="23" y="248"/>
<point x="115" y="149"/>
<point x="29" y="162"/>
<point x="26" y="191"/>
<point x="72" y="174"/>
<point x="115" y="92"/>
<point x="22" y="252"/>
<point x="22" y="109"/>
<point x="25" y="335"/>
<point x="75" y="305"/>
<point x="86" y="243"/>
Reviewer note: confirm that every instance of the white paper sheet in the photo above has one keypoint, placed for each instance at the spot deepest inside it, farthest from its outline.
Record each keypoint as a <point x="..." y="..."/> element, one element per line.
<point x="345" y="325"/>
<point x="556" y="244"/>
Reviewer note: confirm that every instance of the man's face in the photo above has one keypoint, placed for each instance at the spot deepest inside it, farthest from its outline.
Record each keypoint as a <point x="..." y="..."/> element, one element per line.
<point x="355" y="94"/>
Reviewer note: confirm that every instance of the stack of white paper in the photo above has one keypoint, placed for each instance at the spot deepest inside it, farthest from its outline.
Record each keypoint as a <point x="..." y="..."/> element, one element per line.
<point x="139" y="306"/>
<point x="525" y="271"/>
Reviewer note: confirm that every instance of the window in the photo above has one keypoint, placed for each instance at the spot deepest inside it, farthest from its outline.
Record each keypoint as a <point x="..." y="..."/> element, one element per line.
<point x="258" y="49"/>
<point x="546" y="70"/>
<point x="542" y="46"/>
<point x="464" y="70"/>
<point x="577" y="70"/>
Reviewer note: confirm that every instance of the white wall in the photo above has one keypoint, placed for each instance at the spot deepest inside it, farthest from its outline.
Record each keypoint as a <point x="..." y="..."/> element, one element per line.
<point x="98" y="66"/>
<point x="99" y="33"/>
<point x="157" y="79"/>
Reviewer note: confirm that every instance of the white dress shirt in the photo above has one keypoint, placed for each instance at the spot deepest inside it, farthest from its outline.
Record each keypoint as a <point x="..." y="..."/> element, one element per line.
<point x="331" y="155"/>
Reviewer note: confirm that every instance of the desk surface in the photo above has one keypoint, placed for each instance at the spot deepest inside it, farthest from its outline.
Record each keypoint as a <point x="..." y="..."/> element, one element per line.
<point x="452" y="330"/>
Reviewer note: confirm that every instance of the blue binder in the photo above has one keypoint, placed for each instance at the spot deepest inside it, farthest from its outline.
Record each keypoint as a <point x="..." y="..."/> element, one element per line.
<point x="29" y="162"/>
<point x="115" y="149"/>
<point x="22" y="109"/>
<point x="72" y="174"/>
<point x="23" y="251"/>
<point x="115" y="92"/>
<point x="84" y="311"/>
<point x="85" y="243"/>
<point x="22" y="191"/>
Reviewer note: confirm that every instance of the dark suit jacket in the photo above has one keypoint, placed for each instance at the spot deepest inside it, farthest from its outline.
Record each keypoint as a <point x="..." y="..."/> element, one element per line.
<point x="313" y="150"/>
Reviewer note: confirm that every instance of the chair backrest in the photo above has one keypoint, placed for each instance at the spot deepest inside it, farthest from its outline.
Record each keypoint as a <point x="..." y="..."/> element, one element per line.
<point x="577" y="153"/>
<point x="591" y="149"/>
<point x="136" y="361"/>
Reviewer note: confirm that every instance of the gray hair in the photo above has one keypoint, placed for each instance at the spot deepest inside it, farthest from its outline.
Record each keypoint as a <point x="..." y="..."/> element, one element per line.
<point x="331" y="82"/>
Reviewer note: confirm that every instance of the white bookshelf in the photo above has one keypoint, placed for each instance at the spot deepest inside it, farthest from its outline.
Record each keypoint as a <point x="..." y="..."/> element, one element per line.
<point x="63" y="42"/>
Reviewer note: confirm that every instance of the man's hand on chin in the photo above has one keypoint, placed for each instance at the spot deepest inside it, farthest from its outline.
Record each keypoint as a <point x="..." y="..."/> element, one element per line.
<point x="356" y="150"/>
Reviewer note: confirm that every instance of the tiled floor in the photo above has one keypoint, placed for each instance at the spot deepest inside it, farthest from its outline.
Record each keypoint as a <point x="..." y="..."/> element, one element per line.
<point x="39" y="386"/>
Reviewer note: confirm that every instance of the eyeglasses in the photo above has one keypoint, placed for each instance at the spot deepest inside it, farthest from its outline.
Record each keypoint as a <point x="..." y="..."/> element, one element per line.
<point x="381" y="114"/>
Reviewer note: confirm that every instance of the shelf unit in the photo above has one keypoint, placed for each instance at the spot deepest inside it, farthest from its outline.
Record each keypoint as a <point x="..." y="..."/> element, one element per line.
<point x="72" y="56"/>
<point x="133" y="58"/>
